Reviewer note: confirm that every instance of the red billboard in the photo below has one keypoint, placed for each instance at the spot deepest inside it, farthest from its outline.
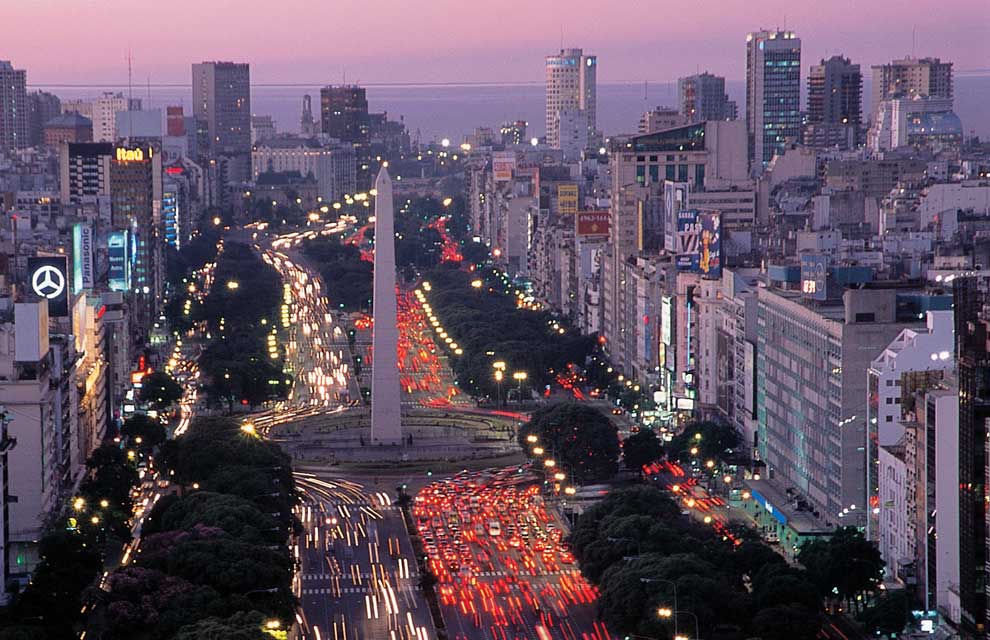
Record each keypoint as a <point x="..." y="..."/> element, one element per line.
<point x="592" y="223"/>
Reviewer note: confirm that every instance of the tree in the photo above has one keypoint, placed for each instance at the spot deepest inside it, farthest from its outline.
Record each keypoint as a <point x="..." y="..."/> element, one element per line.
<point x="160" y="390"/>
<point x="713" y="440"/>
<point x="244" y="625"/>
<point x="237" y="516"/>
<point x="583" y="440"/>
<point x="786" y="622"/>
<point x="844" y="566"/>
<point x="641" y="448"/>
<point x="139" y="425"/>
<point x="889" y="614"/>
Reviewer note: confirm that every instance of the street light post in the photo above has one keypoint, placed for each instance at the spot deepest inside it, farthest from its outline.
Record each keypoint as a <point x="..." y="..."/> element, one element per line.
<point x="673" y="586"/>
<point x="499" y="367"/>
<point x="519" y="376"/>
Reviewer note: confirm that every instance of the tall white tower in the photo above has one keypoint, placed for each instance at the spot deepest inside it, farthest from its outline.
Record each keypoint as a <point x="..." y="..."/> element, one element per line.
<point x="571" y="97"/>
<point x="386" y="417"/>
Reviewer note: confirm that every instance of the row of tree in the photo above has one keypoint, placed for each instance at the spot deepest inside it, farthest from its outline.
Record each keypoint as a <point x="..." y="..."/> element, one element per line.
<point x="639" y="549"/>
<point x="213" y="560"/>
<point x="241" y="311"/>
<point x="71" y="551"/>
<point x="579" y="438"/>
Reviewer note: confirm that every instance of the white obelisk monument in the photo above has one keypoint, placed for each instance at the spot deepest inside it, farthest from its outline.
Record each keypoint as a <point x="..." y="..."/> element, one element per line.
<point x="386" y="418"/>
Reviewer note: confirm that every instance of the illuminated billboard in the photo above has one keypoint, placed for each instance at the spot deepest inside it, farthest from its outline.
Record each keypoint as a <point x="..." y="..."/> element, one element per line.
<point x="592" y="223"/>
<point x="698" y="242"/>
<point x="48" y="279"/>
<point x="118" y="254"/>
<point x="567" y="199"/>
<point x="814" y="276"/>
<point x="82" y="257"/>
<point x="503" y="164"/>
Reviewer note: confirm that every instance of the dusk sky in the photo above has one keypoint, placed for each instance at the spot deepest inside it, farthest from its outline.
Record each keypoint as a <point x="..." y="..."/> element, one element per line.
<point x="381" y="41"/>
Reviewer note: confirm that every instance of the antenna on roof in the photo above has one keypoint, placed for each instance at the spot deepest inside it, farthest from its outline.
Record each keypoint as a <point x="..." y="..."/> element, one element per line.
<point x="561" y="36"/>
<point x="914" y="39"/>
<point x="130" y="94"/>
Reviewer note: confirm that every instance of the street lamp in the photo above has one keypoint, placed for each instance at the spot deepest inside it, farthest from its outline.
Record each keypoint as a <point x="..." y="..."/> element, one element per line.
<point x="549" y="463"/>
<point x="520" y="377"/>
<point x="499" y="366"/>
<point x="665" y="612"/>
<point x="531" y="438"/>
<point x="537" y="451"/>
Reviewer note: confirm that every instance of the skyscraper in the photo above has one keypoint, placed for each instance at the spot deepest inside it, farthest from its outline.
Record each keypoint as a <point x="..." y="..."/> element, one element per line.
<point x="702" y="97"/>
<point x="970" y="300"/>
<point x="344" y="116"/>
<point x="222" y="107"/>
<point x="909" y="77"/>
<point x="42" y="107"/>
<point x="773" y="92"/>
<point x="13" y="107"/>
<point x="835" y="89"/>
<point x="571" y="94"/>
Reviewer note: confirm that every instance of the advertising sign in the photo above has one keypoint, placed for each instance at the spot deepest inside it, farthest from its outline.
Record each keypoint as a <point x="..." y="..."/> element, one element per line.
<point x="48" y="278"/>
<point x="592" y="223"/>
<point x="814" y="276"/>
<point x="82" y="257"/>
<point x="675" y="198"/>
<point x="567" y="199"/>
<point x="118" y="248"/>
<point x="749" y="379"/>
<point x="666" y="320"/>
<point x="687" y="239"/>
<point x="710" y="251"/>
<point x="503" y="164"/>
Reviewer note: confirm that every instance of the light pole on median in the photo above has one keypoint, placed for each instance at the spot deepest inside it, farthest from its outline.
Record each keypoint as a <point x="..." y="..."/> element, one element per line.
<point x="674" y="587"/>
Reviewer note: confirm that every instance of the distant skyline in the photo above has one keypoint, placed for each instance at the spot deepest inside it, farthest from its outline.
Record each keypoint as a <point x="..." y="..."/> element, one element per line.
<point x="443" y="41"/>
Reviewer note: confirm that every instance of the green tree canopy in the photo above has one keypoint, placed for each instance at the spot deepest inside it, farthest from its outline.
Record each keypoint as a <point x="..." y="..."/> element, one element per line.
<point x="584" y="441"/>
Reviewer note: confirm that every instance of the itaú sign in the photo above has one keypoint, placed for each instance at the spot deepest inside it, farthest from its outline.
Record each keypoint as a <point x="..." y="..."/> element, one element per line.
<point x="132" y="155"/>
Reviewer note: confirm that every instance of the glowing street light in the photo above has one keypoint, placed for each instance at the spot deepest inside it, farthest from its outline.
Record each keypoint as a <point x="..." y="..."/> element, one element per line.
<point x="233" y="284"/>
<point x="537" y="451"/>
<point x="549" y="463"/>
<point x="531" y="438"/>
<point x="248" y="427"/>
<point x="476" y="284"/>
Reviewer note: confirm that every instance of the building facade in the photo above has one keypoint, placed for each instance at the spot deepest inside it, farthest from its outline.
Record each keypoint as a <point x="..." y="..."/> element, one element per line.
<point x="773" y="93"/>
<point x="13" y="107"/>
<point x="703" y="97"/>
<point x="571" y="80"/>
<point x="835" y="88"/>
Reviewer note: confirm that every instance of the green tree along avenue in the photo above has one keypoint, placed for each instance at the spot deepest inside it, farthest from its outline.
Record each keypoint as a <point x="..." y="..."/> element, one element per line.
<point x="583" y="441"/>
<point x="212" y="560"/>
<point x="641" y="448"/>
<point x="346" y="275"/>
<point x="714" y="441"/>
<point x="635" y="543"/>
<point x="159" y="390"/>
<point x="242" y="310"/>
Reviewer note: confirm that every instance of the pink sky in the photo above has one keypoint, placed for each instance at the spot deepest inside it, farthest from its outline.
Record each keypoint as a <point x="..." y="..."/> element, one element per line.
<point x="86" y="41"/>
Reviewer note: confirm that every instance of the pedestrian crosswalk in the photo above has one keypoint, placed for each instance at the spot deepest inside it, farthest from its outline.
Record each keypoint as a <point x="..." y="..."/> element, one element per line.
<point x="344" y="591"/>
<point x="502" y="574"/>
<point x="348" y="576"/>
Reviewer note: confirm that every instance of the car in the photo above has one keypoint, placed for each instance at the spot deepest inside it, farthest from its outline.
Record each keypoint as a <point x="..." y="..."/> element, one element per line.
<point x="494" y="528"/>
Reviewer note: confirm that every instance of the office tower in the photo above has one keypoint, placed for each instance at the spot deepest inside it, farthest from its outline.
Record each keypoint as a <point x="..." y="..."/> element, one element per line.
<point x="136" y="200"/>
<point x="386" y="416"/>
<point x="307" y="125"/>
<point x="702" y="97"/>
<point x="773" y="93"/>
<point x="175" y="121"/>
<point x="222" y="107"/>
<point x="104" y="116"/>
<point x="835" y="90"/>
<point x="514" y="132"/>
<point x="812" y="394"/>
<point x="84" y="171"/>
<point x="344" y="116"/>
<point x="42" y="107"/>
<point x="13" y="107"/>
<point x="571" y="96"/>
<point x="910" y="77"/>
<point x="971" y="301"/>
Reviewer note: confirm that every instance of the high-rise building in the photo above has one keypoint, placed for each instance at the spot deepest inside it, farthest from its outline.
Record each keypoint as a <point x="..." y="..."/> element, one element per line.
<point x="222" y="107"/>
<point x="344" y="116"/>
<point x="13" y="107"/>
<point x="571" y="87"/>
<point x="910" y="77"/>
<point x="702" y="97"/>
<point x="662" y="118"/>
<point x="835" y="90"/>
<point x="970" y="298"/>
<point x="773" y="93"/>
<point x="84" y="171"/>
<point x="42" y="107"/>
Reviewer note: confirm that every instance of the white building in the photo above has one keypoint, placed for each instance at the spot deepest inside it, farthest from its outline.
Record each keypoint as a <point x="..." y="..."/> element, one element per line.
<point x="938" y="199"/>
<point x="571" y="86"/>
<point x="334" y="167"/>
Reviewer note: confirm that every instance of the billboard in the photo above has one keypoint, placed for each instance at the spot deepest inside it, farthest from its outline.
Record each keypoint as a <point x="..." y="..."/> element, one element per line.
<point x="592" y="223"/>
<point x="675" y="198"/>
<point x="567" y="199"/>
<point x="710" y="253"/>
<point x="687" y="236"/>
<point x="503" y="164"/>
<point x="749" y="378"/>
<point x="82" y="257"/>
<point x="814" y="276"/>
<point x="48" y="278"/>
<point x="666" y="320"/>
<point x="724" y="370"/>
<point x="118" y="250"/>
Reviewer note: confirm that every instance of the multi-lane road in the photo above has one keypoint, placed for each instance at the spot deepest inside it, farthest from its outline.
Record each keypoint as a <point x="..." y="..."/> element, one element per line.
<point x="357" y="576"/>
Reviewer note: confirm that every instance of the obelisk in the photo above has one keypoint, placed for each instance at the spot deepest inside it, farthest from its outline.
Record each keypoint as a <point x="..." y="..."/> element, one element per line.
<point x="386" y="417"/>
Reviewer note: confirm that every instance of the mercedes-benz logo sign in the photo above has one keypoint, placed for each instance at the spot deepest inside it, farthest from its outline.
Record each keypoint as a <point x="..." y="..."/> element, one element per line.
<point x="48" y="282"/>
